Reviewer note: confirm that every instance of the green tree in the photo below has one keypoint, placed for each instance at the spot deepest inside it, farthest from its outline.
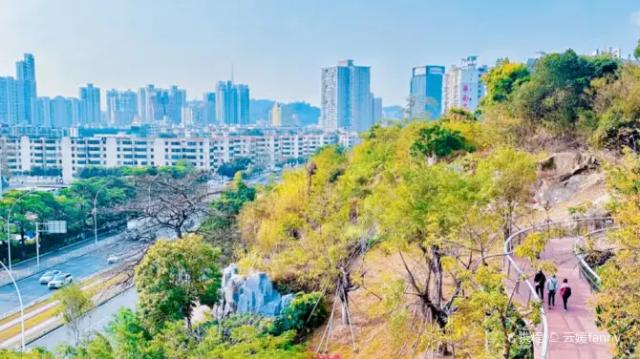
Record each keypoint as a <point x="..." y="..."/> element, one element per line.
<point x="248" y="341"/>
<point x="97" y="347"/>
<point x="305" y="313"/>
<point x="616" y="107"/>
<point x="220" y="227"/>
<point x="555" y="93"/>
<point x="74" y="304"/>
<point x="173" y="277"/>
<point x="509" y="177"/>
<point x="502" y="80"/>
<point x="438" y="142"/>
<point x="31" y="354"/>
<point x="230" y="169"/>
<point x="617" y="306"/>
<point x="130" y="338"/>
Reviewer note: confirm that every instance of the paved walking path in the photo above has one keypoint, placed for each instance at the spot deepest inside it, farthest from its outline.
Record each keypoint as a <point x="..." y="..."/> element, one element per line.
<point x="573" y="334"/>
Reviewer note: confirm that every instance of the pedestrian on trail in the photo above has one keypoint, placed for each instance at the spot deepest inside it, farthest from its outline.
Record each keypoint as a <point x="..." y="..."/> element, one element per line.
<point x="552" y="287"/>
<point x="565" y="292"/>
<point x="539" y="280"/>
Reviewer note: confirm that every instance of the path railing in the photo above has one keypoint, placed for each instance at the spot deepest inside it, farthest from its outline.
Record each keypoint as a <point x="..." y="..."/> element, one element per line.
<point x="586" y="272"/>
<point x="517" y="268"/>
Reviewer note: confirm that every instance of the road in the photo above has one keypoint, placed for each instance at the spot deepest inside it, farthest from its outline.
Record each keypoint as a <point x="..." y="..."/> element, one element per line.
<point x="80" y="267"/>
<point x="95" y="321"/>
<point x="102" y="315"/>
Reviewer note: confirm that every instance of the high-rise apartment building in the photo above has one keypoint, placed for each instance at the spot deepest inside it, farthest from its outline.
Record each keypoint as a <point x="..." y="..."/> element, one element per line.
<point x="243" y="104"/>
<point x="90" y="105"/>
<point x="43" y="111"/>
<point x="463" y="85"/>
<point x="194" y="113"/>
<point x="26" y="75"/>
<point x="346" y="97"/>
<point x="209" y="99"/>
<point x="122" y="107"/>
<point x="61" y="112"/>
<point x="232" y="103"/>
<point x="9" y="93"/>
<point x="144" y="103"/>
<point x="426" y="91"/>
<point x="156" y="105"/>
<point x="177" y="99"/>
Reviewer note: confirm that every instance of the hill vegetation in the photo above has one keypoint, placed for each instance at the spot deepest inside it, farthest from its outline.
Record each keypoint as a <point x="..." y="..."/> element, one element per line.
<point x="433" y="199"/>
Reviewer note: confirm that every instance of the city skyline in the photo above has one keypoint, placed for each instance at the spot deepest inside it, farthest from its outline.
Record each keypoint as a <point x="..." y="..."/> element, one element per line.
<point x="286" y="67"/>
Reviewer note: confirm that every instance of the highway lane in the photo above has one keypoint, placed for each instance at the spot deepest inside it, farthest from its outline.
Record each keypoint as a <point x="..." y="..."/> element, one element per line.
<point x="79" y="267"/>
<point x="95" y="321"/>
<point x="102" y="315"/>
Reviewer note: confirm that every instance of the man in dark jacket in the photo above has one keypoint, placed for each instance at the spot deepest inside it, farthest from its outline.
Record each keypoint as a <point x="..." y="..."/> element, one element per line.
<point x="540" y="280"/>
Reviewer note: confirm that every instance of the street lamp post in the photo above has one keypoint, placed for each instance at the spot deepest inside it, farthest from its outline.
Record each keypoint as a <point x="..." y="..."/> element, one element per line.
<point x="95" y="212"/>
<point x="34" y="217"/>
<point x="8" y="220"/>
<point x="15" y="285"/>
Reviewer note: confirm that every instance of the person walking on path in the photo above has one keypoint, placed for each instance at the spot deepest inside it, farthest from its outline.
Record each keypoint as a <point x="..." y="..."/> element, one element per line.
<point x="539" y="280"/>
<point x="565" y="292"/>
<point x="552" y="287"/>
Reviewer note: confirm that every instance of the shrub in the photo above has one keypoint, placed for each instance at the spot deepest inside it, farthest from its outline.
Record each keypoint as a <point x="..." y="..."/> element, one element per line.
<point x="303" y="314"/>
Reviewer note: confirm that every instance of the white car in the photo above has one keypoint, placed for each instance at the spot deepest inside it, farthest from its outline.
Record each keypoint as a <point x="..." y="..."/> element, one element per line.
<point x="48" y="276"/>
<point x="60" y="281"/>
<point x="113" y="258"/>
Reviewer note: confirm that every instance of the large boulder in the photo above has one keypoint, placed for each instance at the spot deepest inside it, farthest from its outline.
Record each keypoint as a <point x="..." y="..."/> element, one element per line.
<point x="254" y="293"/>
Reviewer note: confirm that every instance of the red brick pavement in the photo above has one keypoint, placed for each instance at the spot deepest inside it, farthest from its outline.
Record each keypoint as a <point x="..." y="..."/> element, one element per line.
<point x="572" y="334"/>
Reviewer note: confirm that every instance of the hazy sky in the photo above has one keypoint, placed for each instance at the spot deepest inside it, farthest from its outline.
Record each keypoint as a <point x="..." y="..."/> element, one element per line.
<point x="278" y="47"/>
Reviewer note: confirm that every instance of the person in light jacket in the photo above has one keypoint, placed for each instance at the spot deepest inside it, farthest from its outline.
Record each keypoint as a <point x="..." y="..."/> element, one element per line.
<point x="565" y="292"/>
<point x="552" y="287"/>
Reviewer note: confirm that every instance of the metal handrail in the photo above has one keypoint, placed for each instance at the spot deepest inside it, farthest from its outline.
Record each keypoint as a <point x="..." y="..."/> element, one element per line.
<point x="508" y="251"/>
<point x="593" y="278"/>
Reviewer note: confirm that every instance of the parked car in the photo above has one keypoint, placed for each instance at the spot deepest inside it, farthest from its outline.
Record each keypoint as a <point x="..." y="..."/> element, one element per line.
<point x="48" y="276"/>
<point x="60" y="281"/>
<point x="113" y="258"/>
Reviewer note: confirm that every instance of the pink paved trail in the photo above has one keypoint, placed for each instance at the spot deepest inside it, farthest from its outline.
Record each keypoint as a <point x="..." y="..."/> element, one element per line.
<point x="572" y="334"/>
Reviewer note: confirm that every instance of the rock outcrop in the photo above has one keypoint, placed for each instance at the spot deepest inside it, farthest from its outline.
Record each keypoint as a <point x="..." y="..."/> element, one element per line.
<point x="254" y="293"/>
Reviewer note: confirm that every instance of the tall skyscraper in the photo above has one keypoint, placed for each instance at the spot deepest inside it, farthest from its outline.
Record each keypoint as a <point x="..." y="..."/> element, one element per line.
<point x="122" y="107"/>
<point x="175" y="102"/>
<point x="61" y="112"/>
<point x="243" y="104"/>
<point x="463" y="85"/>
<point x="144" y="103"/>
<point x="90" y="100"/>
<point x="43" y="111"/>
<point x="26" y="74"/>
<point x="346" y="97"/>
<point x="426" y="91"/>
<point x="194" y="114"/>
<point x="232" y="103"/>
<point x="209" y="99"/>
<point x="9" y="94"/>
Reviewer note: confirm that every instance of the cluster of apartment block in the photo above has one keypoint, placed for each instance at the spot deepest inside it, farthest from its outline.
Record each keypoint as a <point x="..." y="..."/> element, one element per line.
<point x="22" y="154"/>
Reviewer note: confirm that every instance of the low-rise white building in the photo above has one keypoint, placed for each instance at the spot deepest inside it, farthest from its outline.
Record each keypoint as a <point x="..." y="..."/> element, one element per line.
<point x="73" y="153"/>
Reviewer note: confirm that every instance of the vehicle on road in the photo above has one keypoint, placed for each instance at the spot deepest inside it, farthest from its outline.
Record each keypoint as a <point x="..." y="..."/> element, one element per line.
<point x="60" y="281"/>
<point x="113" y="258"/>
<point x="48" y="276"/>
